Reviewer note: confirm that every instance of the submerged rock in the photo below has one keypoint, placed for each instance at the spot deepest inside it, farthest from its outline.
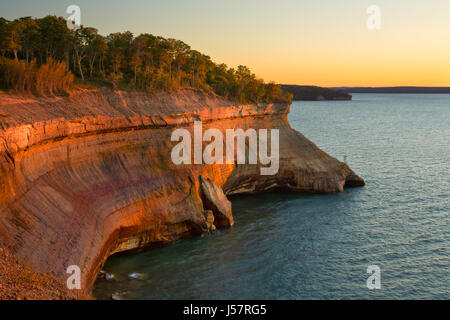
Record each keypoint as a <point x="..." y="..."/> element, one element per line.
<point x="109" y="276"/>
<point x="138" y="276"/>
<point x="101" y="274"/>
<point x="105" y="275"/>
<point x="117" y="296"/>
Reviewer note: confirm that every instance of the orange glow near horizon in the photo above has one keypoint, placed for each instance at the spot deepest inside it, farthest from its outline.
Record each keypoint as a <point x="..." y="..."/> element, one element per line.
<point x="325" y="43"/>
<point x="329" y="45"/>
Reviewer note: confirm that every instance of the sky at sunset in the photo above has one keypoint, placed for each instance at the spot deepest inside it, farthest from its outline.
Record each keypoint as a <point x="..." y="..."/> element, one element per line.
<point x="324" y="42"/>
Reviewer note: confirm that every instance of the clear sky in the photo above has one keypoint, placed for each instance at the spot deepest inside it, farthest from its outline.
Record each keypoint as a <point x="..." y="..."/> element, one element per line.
<point x="320" y="42"/>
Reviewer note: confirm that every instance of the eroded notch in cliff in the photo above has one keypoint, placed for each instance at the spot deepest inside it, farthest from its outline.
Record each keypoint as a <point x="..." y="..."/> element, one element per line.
<point x="10" y="158"/>
<point x="214" y="199"/>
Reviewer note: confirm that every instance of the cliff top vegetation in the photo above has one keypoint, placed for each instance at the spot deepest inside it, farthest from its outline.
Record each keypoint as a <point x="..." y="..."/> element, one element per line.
<point x="44" y="56"/>
<point x="313" y="93"/>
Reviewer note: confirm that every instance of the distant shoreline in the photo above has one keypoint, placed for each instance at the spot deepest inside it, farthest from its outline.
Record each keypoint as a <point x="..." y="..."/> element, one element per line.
<point x="411" y="90"/>
<point x="314" y="93"/>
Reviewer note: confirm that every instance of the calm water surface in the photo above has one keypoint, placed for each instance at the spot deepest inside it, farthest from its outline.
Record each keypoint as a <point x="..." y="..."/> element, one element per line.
<point x="294" y="246"/>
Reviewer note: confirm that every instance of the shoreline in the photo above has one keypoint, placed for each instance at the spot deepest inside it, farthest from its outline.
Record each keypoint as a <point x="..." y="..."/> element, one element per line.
<point x="112" y="148"/>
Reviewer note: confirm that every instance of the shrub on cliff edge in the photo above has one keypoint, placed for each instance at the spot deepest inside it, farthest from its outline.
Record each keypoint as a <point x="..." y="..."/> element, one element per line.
<point x="121" y="60"/>
<point x="47" y="79"/>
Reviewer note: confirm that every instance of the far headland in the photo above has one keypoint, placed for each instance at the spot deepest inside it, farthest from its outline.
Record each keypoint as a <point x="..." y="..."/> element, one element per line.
<point x="400" y="89"/>
<point x="314" y="93"/>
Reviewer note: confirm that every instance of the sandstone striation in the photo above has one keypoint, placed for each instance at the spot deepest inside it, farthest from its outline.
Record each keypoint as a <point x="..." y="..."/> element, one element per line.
<point x="86" y="176"/>
<point x="214" y="199"/>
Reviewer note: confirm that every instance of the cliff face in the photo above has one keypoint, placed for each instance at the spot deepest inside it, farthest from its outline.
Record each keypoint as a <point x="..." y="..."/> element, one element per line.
<point x="89" y="175"/>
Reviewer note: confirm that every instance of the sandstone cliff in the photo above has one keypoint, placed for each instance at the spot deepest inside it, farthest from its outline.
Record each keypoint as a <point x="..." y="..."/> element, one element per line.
<point x="85" y="176"/>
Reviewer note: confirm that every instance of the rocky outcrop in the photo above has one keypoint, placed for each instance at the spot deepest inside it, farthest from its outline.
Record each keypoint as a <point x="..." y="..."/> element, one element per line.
<point x="215" y="200"/>
<point x="86" y="176"/>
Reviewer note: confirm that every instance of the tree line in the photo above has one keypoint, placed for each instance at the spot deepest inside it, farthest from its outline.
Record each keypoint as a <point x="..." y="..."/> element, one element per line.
<point x="122" y="60"/>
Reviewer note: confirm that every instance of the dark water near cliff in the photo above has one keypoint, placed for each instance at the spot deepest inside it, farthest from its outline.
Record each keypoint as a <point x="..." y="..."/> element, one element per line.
<point x="292" y="246"/>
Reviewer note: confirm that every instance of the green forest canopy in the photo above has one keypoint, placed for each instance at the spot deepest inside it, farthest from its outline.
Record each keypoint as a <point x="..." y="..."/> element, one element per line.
<point x="143" y="62"/>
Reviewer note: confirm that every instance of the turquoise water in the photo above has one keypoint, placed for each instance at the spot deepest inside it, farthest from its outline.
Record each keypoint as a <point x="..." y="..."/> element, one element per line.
<point x="294" y="246"/>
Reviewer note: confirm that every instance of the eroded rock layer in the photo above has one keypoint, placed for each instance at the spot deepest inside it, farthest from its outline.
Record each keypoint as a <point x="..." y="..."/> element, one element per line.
<point x="85" y="176"/>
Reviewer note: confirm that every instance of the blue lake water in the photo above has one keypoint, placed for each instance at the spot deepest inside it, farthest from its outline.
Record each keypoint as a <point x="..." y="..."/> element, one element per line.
<point x="296" y="246"/>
